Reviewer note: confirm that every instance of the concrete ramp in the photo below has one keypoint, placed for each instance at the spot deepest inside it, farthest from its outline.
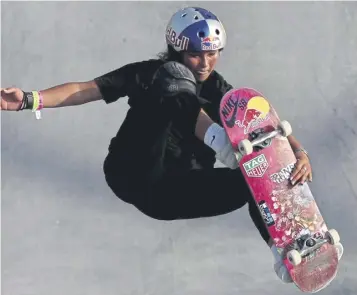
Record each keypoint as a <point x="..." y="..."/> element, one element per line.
<point x="64" y="232"/>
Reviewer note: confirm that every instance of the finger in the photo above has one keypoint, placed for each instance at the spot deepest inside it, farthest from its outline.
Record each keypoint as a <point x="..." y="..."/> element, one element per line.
<point x="303" y="178"/>
<point x="295" y="170"/>
<point x="298" y="166"/>
<point x="302" y="175"/>
<point x="8" y="90"/>
<point x="307" y="175"/>
<point x="310" y="176"/>
<point x="297" y="177"/>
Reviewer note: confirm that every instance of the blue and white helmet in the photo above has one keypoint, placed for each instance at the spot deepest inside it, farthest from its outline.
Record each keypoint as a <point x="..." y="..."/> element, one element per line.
<point x="195" y="29"/>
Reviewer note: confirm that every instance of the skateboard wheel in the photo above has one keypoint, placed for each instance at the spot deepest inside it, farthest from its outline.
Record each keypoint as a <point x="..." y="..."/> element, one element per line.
<point x="333" y="236"/>
<point x="245" y="147"/>
<point x="294" y="257"/>
<point x="285" y="128"/>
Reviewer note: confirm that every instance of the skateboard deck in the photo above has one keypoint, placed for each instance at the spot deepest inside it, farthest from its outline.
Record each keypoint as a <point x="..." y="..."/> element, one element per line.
<point x="290" y="213"/>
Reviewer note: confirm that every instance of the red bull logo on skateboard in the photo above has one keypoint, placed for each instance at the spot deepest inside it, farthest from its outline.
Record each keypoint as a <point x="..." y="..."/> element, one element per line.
<point x="257" y="111"/>
<point x="256" y="167"/>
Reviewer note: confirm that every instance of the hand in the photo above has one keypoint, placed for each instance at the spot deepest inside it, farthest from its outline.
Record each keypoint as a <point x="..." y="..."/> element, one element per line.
<point x="229" y="157"/>
<point x="302" y="170"/>
<point x="11" y="99"/>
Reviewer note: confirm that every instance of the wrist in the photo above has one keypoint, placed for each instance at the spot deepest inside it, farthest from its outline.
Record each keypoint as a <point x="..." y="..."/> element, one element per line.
<point x="215" y="137"/>
<point x="300" y="150"/>
<point x="32" y="101"/>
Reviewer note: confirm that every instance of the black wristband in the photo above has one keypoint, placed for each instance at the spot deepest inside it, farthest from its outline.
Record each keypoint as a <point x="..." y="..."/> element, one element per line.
<point x="27" y="101"/>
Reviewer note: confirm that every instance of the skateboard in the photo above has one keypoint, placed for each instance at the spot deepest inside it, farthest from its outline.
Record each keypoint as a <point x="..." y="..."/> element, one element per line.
<point x="290" y="213"/>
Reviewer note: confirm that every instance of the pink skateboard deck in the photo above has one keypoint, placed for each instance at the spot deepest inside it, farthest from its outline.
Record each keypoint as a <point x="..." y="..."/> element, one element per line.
<point x="290" y="212"/>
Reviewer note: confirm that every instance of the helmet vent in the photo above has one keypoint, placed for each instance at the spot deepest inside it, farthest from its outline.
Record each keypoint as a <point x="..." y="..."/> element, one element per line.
<point x="183" y="15"/>
<point x="201" y="34"/>
<point x="196" y="17"/>
<point x="217" y="32"/>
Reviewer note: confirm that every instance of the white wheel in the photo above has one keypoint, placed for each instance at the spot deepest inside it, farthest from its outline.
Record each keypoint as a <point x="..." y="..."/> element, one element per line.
<point x="245" y="147"/>
<point x="294" y="257"/>
<point x="285" y="127"/>
<point x="333" y="236"/>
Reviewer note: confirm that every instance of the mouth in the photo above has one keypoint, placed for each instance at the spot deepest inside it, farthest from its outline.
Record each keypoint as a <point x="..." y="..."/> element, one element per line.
<point x="202" y="72"/>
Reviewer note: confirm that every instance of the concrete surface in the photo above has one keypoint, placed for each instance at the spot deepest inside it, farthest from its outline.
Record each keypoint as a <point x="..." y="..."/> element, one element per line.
<point x="64" y="232"/>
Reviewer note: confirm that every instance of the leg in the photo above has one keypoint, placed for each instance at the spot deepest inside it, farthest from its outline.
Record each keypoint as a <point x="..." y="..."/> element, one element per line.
<point x="200" y="193"/>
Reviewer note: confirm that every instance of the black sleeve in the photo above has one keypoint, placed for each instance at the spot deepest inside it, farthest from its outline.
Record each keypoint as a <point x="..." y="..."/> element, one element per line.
<point x="126" y="80"/>
<point x="223" y="85"/>
<point x="113" y="85"/>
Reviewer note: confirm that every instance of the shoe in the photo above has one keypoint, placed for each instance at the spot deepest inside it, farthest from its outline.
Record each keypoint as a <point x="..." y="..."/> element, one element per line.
<point x="339" y="249"/>
<point x="283" y="274"/>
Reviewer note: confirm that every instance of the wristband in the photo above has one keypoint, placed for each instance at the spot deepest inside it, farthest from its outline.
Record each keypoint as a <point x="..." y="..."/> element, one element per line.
<point x="32" y="101"/>
<point x="301" y="150"/>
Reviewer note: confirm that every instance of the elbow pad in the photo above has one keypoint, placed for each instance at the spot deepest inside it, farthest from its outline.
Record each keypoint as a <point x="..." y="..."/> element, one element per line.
<point x="173" y="78"/>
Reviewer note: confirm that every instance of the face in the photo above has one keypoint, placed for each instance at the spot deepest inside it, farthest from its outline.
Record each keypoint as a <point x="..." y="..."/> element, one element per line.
<point x="201" y="63"/>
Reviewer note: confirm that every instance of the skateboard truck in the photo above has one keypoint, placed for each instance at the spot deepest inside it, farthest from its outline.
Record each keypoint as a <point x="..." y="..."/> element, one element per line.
<point x="307" y="244"/>
<point x="246" y="146"/>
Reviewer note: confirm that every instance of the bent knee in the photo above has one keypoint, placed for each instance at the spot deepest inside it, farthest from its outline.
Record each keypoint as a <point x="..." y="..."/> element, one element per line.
<point x="173" y="78"/>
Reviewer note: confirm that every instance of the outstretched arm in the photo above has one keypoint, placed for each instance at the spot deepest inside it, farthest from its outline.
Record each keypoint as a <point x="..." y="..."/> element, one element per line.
<point x="70" y="94"/>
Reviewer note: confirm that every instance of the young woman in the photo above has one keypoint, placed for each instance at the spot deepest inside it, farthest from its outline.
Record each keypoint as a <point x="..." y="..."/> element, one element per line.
<point x="162" y="158"/>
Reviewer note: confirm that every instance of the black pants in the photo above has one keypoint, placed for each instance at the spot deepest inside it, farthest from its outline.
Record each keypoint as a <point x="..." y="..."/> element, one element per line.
<point x="139" y="176"/>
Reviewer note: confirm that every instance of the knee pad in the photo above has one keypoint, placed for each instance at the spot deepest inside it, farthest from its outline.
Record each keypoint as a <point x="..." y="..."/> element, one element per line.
<point x="173" y="78"/>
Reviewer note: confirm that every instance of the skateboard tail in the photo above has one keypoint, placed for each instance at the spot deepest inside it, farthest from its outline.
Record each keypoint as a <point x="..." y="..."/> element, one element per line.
<point x="317" y="271"/>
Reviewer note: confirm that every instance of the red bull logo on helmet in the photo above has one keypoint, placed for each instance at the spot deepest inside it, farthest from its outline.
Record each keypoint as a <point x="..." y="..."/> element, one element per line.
<point x="174" y="40"/>
<point x="210" y="43"/>
<point x="257" y="111"/>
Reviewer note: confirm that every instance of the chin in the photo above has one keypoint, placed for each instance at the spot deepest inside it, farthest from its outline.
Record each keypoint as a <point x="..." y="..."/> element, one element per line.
<point x="202" y="78"/>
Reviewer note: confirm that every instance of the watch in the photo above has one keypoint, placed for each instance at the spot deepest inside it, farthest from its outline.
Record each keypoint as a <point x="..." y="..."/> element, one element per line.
<point x="301" y="149"/>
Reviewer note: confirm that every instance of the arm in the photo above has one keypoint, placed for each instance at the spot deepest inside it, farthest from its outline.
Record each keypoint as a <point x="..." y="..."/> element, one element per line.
<point x="296" y="146"/>
<point x="70" y="94"/>
<point x="293" y="142"/>
<point x="108" y="87"/>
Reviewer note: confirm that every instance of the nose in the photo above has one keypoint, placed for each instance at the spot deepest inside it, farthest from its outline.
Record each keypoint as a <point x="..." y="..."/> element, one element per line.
<point x="204" y="61"/>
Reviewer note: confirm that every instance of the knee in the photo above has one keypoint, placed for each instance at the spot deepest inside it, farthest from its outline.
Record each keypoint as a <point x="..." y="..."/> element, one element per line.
<point x="172" y="79"/>
<point x="175" y="86"/>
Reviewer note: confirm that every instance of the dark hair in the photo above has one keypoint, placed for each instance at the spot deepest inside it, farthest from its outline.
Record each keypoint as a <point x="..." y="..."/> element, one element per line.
<point x="170" y="55"/>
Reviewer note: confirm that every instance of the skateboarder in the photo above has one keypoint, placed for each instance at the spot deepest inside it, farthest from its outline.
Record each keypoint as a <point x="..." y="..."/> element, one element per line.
<point x="162" y="158"/>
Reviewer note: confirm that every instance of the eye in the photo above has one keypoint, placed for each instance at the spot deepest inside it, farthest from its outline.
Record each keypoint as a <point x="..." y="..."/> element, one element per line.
<point x="212" y="54"/>
<point x="192" y="54"/>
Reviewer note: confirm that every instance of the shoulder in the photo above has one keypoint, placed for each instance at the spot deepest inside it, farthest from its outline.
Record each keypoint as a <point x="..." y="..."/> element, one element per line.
<point x="134" y="68"/>
<point x="128" y="80"/>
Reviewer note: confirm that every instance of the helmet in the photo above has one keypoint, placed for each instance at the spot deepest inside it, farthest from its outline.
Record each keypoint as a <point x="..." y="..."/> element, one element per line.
<point x="195" y="29"/>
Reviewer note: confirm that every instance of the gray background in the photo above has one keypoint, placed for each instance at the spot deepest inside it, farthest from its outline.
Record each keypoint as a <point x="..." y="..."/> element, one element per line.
<point x="64" y="232"/>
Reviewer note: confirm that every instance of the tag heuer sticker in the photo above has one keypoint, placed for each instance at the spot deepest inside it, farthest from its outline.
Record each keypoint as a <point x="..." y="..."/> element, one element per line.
<point x="256" y="167"/>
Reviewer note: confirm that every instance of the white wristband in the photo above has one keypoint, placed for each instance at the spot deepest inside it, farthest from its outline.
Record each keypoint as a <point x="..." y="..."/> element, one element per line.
<point x="215" y="137"/>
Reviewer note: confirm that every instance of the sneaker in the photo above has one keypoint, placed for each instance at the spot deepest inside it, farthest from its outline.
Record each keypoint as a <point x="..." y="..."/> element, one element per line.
<point x="339" y="249"/>
<point x="282" y="272"/>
